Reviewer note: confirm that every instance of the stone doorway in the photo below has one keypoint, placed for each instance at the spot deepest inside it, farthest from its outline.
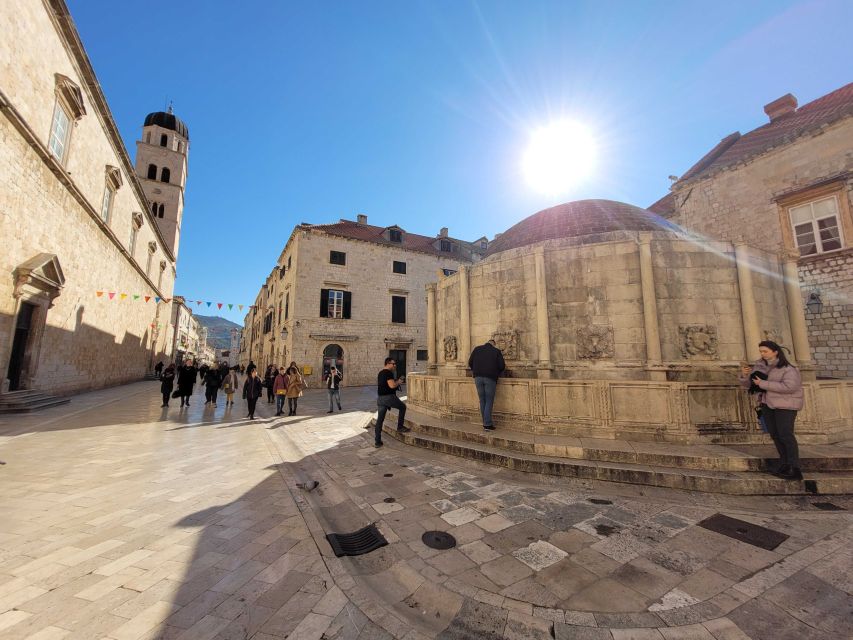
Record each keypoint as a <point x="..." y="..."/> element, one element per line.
<point x="333" y="355"/>
<point x="21" y="345"/>
<point x="399" y="356"/>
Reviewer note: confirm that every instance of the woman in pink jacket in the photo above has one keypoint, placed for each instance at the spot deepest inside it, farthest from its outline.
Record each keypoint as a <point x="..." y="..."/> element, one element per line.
<point x="780" y="396"/>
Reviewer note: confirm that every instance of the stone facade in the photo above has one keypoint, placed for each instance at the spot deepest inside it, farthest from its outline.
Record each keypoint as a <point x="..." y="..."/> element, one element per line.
<point x="61" y="244"/>
<point x="291" y="299"/>
<point x="750" y="199"/>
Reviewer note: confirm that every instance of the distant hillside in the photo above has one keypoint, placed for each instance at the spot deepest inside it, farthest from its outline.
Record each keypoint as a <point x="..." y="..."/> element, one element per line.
<point x="218" y="330"/>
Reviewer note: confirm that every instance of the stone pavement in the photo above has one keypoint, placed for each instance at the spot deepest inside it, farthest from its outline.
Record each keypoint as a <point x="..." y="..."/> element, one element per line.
<point x="119" y="520"/>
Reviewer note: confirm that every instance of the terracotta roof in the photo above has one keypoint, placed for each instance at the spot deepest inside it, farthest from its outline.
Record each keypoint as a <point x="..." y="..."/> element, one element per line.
<point x="372" y="233"/>
<point x="784" y="130"/>
<point x="575" y="219"/>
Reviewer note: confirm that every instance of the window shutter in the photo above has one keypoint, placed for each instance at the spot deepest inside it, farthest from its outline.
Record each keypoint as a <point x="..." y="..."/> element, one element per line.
<point x="347" y="304"/>
<point x="324" y="303"/>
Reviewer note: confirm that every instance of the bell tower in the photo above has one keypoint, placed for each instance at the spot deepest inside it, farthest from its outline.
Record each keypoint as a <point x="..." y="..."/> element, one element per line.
<point x="161" y="165"/>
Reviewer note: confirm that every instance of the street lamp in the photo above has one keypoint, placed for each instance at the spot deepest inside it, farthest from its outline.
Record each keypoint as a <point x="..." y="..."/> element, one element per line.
<point x="814" y="304"/>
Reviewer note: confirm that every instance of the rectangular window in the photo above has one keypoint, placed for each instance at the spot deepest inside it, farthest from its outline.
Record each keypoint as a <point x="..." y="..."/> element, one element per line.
<point x="60" y="130"/>
<point x="448" y="272"/>
<point x="446" y="246"/>
<point x="335" y="304"/>
<point x="816" y="226"/>
<point x="422" y="354"/>
<point x="398" y="309"/>
<point x="287" y="306"/>
<point x="396" y="235"/>
<point x="107" y="204"/>
<point x="399" y="267"/>
<point x="337" y="257"/>
<point x="288" y="262"/>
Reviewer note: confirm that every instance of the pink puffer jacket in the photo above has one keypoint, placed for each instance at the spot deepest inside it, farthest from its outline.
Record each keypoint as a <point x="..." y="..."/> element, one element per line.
<point x="783" y="388"/>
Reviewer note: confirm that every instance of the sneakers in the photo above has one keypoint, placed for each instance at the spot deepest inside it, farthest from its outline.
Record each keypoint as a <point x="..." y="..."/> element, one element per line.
<point x="791" y="473"/>
<point x="403" y="429"/>
<point x="489" y="427"/>
<point x="377" y="444"/>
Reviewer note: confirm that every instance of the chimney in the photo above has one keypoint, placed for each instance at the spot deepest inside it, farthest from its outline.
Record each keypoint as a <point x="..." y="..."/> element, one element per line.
<point x="362" y="218"/>
<point x="443" y="232"/>
<point x="781" y="107"/>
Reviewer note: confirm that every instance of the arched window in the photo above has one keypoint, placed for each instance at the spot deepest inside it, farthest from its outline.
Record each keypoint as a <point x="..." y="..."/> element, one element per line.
<point x="148" y="138"/>
<point x="165" y="175"/>
<point x="154" y="209"/>
<point x="152" y="171"/>
<point x="164" y="140"/>
<point x="333" y="355"/>
<point x="160" y="211"/>
<point x="180" y="146"/>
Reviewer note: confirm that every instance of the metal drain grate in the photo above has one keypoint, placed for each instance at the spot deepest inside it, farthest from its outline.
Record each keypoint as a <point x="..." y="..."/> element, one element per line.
<point x="390" y="500"/>
<point x="438" y="540"/>
<point x="747" y="532"/>
<point x="828" y="506"/>
<point x="357" y="543"/>
<point x="600" y="501"/>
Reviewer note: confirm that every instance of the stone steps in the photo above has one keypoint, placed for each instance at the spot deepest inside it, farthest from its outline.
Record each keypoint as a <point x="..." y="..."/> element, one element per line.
<point x="28" y="400"/>
<point x="618" y="464"/>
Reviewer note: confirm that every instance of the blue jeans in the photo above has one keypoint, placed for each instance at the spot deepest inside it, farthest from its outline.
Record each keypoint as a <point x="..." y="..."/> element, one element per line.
<point x="334" y="394"/>
<point x="486" y="391"/>
<point x="385" y="402"/>
<point x="279" y="403"/>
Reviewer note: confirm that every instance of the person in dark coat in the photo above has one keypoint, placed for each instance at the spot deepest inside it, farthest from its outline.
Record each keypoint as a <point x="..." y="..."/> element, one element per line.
<point x="158" y="368"/>
<point x="212" y="382"/>
<point x="486" y="364"/>
<point x="186" y="380"/>
<point x="269" y="382"/>
<point x="251" y="367"/>
<point x="252" y="390"/>
<point x="167" y="383"/>
<point x="202" y="371"/>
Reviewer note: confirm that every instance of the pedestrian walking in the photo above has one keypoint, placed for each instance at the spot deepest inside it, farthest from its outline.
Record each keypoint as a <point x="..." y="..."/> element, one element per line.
<point x="212" y="382"/>
<point x="295" y="385"/>
<point x="333" y="384"/>
<point x="167" y="383"/>
<point x="269" y="379"/>
<point x="229" y="386"/>
<point x="251" y="367"/>
<point x="186" y="381"/>
<point x="158" y="368"/>
<point x="252" y="390"/>
<point x="279" y="387"/>
<point x="486" y="363"/>
<point x="780" y="397"/>
<point x="386" y="398"/>
<point x="202" y="372"/>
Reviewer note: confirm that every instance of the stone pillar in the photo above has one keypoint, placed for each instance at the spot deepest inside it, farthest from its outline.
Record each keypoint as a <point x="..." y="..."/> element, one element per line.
<point x="749" y="314"/>
<point x="432" y="347"/>
<point x="543" y="330"/>
<point x="464" y="318"/>
<point x="651" y="326"/>
<point x="796" y="310"/>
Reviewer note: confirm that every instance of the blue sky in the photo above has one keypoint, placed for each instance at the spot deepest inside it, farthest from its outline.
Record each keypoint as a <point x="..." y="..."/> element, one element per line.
<point x="418" y="113"/>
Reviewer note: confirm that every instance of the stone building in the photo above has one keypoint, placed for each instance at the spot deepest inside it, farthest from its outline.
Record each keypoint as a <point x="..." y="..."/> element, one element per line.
<point x="76" y="219"/>
<point x="234" y="350"/>
<point x="353" y="294"/>
<point x="614" y="323"/>
<point x="786" y="187"/>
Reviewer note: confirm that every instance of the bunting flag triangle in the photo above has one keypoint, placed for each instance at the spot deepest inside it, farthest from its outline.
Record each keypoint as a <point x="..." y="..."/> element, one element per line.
<point x="209" y="303"/>
<point x="135" y="297"/>
<point x="230" y="306"/>
<point x="157" y="299"/>
<point x="122" y="295"/>
<point x="99" y="293"/>
<point x="112" y="294"/>
<point x="147" y="298"/>
<point x="240" y="307"/>
<point x="218" y="305"/>
<point x="198" y="303"/>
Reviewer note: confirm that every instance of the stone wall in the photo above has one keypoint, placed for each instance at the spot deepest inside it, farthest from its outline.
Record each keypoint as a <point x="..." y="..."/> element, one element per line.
<point x="45" y="206"/>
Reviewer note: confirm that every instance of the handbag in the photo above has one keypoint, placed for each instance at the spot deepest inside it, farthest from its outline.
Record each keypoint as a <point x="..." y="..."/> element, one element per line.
<point x="281" y="392"/>
<point x="176" y="393"/>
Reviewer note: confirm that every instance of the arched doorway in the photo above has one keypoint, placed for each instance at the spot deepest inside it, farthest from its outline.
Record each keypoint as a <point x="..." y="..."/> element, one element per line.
<point x="333" y="355"/>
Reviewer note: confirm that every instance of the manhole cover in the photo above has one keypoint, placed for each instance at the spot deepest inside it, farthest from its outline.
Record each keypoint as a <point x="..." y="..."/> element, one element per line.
<point x="389" y="475"/>
<point x="600" y="501"/>
<point x="438" y="540"/>
<point x="356" y="543"/>
<point x="753" y="534"/>
<point x="390" y="500"/>
<point x="828" y="506"/>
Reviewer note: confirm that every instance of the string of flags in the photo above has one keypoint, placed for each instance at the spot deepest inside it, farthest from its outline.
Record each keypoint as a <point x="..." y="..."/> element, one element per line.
<point x="113" y="295"/>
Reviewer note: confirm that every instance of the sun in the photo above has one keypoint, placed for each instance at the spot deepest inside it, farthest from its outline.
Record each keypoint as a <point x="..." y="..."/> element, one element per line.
<point x="559" y="156"/>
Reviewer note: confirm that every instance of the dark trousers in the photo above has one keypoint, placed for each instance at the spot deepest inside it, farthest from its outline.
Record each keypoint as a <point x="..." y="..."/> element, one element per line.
<point x="166" y="395"/>
<point x="279" y="404"/>
<point x="269" y="394"/>
<point x="291" y="405"/>
<point x="186" y="394"/>
<point x="389" y="401"/>
<point x="252" y="402"/>
<point x="210" y="394"/>
<point x="486" y="388"/>
<point x="780" y="426"/>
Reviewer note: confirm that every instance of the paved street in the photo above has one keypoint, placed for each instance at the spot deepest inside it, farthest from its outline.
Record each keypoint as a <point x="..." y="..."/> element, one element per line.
<point x="121" y="520"/>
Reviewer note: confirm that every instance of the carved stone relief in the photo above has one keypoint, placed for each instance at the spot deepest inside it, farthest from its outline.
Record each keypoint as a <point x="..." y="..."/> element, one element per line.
<point x="450" y="349"/>
<point x="698" y="341"/>
<point x="595" y="342"/>
<point x="507" y="342"/>
<point x="773" y="334"/>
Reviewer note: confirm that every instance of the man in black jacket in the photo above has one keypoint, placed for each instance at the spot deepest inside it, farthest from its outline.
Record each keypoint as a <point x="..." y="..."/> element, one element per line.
<point x="487" y="364"/>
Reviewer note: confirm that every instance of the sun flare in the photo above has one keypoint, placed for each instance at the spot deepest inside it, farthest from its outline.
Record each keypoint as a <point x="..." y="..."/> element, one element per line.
<point x="559" y="156"/>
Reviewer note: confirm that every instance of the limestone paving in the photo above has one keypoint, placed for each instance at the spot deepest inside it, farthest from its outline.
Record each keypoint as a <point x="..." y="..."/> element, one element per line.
<point x="121" y="520"/>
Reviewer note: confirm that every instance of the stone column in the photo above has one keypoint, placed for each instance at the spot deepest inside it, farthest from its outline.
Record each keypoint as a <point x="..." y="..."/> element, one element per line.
<point x="751" y="334"/>
<point x="464" y="318"/>
<point x="432" y="347"/>
<point x="543" y="330"/>
<point x="796" y="310"/>
<point x="651" y="326"/>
